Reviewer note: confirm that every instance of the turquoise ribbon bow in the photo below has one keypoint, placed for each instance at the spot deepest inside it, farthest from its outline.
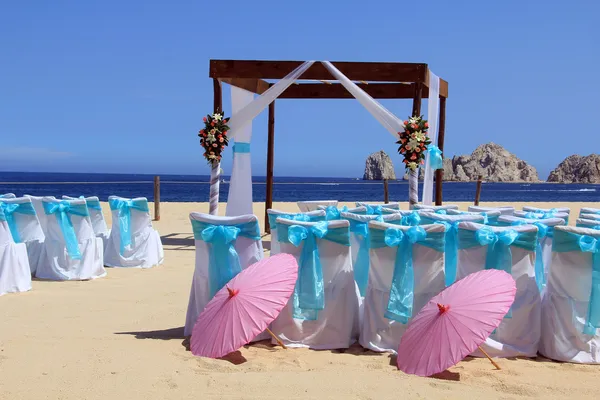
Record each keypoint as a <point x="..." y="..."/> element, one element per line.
<point x="224" y="262"/>
<point x="435" y="157"/>
<point x="294" y="217"/>
<point x="377" y="210"/>
<point x="567" y="241"/>
<point x="362" y="265"/>
<point x="411" y="219"/>
<point x="401" y="296"/>
<point x="332" y="213"/>
<point x="63" y="211"/>
<point x="124" y="206"/>
<point x="9" y="209"/>
<point x="309" y="293"/>
<point x="441" y="211"/>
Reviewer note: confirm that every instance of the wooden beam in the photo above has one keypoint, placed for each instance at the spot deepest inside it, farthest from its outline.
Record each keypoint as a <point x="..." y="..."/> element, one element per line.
<point x="337" y="91"/>
<point x="218" y="96"/>
<point x="270" y="162"/>
<point x="356" y="71"/>
<point x="417" y="89"/>
<point x="439" y="174"/>
<point x="257" y="86"/>
<point x="443" y="88"/>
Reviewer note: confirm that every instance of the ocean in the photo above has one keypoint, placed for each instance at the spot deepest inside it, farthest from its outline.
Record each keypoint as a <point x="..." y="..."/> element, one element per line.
<point x="194" y="188"/>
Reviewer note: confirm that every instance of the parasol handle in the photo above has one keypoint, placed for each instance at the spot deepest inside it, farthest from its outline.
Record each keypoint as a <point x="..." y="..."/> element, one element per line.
<point x="280" y="342"/>
<point x="489" y="358"/>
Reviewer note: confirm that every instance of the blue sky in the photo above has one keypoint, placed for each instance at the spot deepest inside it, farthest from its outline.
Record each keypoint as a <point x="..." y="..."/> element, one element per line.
<point x="114" y="86"/>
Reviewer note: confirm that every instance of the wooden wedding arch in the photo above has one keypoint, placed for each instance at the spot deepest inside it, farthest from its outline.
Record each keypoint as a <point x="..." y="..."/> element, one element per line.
<point x="381" y="80"/>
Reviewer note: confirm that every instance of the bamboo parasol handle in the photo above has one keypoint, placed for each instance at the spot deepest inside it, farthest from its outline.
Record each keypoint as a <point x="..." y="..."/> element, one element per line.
<point x="279" y="341"/>
<point x="489" y="358"/>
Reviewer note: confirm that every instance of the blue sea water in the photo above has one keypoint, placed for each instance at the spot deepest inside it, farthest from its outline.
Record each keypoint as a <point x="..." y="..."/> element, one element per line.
<point x="194" y="188"/>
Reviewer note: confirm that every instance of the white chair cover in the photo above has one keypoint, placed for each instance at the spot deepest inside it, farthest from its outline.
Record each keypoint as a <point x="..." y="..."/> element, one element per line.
<point x="565" y="305"/>
<point x="15" y="273"/>
<point x="520" y="334"/>
<point x="492" y="215"/>
<point x="306" y="206"/>
<point x="392" y="206"/>
<point x="588" y="210"/>
<point x="30" y="232"/>
<point x="60" y="264"/>
<point x="593" y="217"/>
<point x="316" y="215"/>
<point x="146" y="249"/>
<point x="335" y="326"/>
<point x="588" y="223"/>
<point x="39" y="210"/>
<point x="565" y="210"/>
<point x="249" y="252"/>
<point x="7" y="196"/>
<point x="435" y="208"/>
<point x="526" y="214"/>
<point x="504" y="210"/>
<point x="97" y="217"/>
<point x="364" y="210"/>
<point x="379" y="333"/>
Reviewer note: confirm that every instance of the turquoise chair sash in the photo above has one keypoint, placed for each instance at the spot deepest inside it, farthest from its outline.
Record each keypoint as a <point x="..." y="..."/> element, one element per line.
<point x="568" y="241"/>
<point x="63" y="211"/>
<point x="596" y="227"/>
<point x="401" y="298"/>
<point x="332" y="213"/>
<point x="124" y="206"/>
<point x="294" y="217"/>
<point x="361" y="266"/>
<point x="309" y="293"/>
<point x="9" y="209"/>
<point x="451" y="261"/>
<point x="223" y="261"/>
<point x="411" y="219"/>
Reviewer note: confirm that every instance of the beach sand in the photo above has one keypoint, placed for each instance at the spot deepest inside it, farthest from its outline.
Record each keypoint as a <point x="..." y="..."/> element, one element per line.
<point x="120" y="337"/>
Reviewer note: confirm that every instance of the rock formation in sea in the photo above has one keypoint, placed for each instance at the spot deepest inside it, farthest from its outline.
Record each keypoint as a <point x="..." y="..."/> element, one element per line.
<point x="577" y="169"/>
<point x="379" y="166"/>
<point x="491" y="160"/>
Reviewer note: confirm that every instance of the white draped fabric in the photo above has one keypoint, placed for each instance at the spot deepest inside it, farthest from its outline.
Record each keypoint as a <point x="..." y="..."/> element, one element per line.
<point x="240" y="186"/>
<point x="15" y="274"/>
<point x="433" y="113"/>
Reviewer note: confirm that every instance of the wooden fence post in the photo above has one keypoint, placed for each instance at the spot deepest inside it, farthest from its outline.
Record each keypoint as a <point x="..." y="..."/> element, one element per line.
<point x="157" y="198"/>
<point x="478" y="191"/>
<point x="386" y="193"/>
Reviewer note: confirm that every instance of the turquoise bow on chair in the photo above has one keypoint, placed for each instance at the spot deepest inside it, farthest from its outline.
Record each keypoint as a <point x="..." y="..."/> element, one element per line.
<point x="224" y="262"/>
<point x="411" y="219"/>
<point x="124" y="206"/>
<point x="332" y="213"/>
<point x="377" y="210"/>
<point x="9" y="209"/>
<point x="441" y="211"/>
<point x="63" y="211"/>
<point x="435" y="157"/>
<point x="362" y="264"/>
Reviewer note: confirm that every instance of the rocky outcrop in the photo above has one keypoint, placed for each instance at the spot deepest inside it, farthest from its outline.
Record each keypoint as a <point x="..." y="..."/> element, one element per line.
<point x="379" y="167"/>
<point x="491" y="160"/>
<point x="577" y="169"/>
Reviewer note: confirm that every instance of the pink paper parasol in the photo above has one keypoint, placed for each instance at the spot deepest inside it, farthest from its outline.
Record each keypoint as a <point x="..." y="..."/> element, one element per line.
<point x="245" y="307"/>
<point x="456" y="322"/>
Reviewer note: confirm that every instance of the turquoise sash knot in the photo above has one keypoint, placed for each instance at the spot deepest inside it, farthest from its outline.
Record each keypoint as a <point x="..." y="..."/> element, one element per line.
<point x="63" y="211"/>
<point x="401" y="296"/>
<point x="224" y="262"/>
<point x="567" y="241"/>
<point x="435" y="157"/>
<point x="411" y="219"/>
<point x="377" y="210"/>
<point x="9" y="209"/>
<point x="362" y="265"/>
<point x="241" y="147"/>
<point x="451" y="261"/>
<point x="124" y="206"/>
<point x="332" y="213"/>
<point x="441" y="211"/>
<point x="309" y="293"/>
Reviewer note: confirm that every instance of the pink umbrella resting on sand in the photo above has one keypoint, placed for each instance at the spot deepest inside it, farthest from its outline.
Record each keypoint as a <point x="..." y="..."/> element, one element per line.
<point x="245" y="307"/>
<point x="456" y="322"/>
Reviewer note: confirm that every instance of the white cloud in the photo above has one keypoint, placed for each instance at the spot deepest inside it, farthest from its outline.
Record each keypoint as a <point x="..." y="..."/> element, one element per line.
<point x="32" y="154"/>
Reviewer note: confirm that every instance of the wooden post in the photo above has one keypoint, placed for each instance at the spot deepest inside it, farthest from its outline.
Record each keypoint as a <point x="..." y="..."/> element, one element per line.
<point x="386" y="193"/>
<point x="270" y="158"/>
<point x="157" y="198"/>
<point x="413" y="177"/>
<point x="478" y="191"/>
<point x="439" y="174"/>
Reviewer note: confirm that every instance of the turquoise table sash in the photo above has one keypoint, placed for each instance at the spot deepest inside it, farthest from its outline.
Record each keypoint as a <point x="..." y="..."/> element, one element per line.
<point x="9" y="210"/>
<point x="309" y="293"/>
<point x="63" y="212"/>
<point x="568" y="241"/>
<point x="224" y="262"/>
<point x="401" y="296"/>
<point x="124" y="206"/>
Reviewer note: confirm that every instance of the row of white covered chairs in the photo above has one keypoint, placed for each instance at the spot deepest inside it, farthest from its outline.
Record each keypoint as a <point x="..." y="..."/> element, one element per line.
<point x="68" y="239"/>
<point x="338" y="308"/>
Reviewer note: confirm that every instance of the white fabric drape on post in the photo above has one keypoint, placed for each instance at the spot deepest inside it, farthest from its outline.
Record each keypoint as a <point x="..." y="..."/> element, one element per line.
<point x="244" y="110"/>
<point x="239" y="200"/>
<point x="433" y="113"/>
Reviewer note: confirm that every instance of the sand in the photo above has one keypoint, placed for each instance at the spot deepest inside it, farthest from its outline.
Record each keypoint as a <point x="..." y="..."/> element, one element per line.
<point x="120" y="337"/>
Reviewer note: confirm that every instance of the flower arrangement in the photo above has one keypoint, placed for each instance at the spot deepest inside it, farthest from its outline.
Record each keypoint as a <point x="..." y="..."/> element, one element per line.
<point x="413" y="142"/>
<point x="213" y="138"/>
